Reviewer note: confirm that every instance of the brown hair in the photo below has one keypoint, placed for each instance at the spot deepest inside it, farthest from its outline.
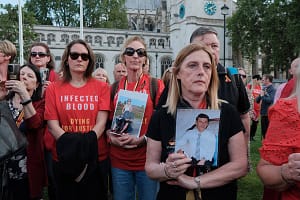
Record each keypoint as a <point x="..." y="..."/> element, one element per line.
<point x="64" y="65"/>
<point x="51" y="63"/>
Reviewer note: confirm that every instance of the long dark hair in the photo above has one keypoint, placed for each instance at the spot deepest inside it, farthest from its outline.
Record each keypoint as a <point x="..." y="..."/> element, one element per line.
<point x="64" y="66"/>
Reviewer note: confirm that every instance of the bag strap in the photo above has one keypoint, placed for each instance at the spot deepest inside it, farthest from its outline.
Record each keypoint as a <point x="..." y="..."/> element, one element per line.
<point x="153" y="89"/>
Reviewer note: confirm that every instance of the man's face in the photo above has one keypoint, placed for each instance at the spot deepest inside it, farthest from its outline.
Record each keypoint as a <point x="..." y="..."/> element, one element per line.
<point x="202" y="124"/>
<point x="211" y="40"/>
<point x="120" y="70"/>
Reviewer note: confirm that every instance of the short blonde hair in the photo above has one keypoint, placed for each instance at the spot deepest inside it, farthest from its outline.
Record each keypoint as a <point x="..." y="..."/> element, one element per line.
<point x="174" y="90"/>
<point x="9" y="49"/>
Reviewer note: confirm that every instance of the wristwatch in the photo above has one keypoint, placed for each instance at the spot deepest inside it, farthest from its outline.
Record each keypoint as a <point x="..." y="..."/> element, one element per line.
<point x="197" y="180"/>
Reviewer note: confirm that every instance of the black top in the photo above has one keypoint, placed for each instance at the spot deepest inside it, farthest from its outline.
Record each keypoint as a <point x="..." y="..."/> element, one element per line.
<point x="162" y="128"/>
<point x="232" y="89"/>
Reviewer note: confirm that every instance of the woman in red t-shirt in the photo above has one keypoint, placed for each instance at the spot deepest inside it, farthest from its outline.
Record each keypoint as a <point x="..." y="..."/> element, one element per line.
<point x="127" y="152"/>
<point x="41" y="57"/>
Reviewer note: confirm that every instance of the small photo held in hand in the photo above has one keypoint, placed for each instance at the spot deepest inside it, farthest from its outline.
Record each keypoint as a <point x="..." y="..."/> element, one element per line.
<point x="197" y="132"/>
<point x="129" y="113"/>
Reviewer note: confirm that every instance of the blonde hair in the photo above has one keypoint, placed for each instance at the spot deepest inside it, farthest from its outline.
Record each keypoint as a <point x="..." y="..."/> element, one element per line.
<point x="129" y="41"/>
<point x="9" y="49"/>
<point x="174" y="90"/>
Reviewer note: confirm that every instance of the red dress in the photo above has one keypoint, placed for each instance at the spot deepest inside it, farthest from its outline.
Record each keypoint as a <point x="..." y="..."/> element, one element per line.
<point x="283" y="138"/>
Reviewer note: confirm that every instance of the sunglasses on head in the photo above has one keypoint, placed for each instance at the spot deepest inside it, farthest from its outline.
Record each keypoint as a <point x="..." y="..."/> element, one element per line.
<point x="40" y="54"/>
<point x="130" y="51"/>
<point x="75" y="55"/>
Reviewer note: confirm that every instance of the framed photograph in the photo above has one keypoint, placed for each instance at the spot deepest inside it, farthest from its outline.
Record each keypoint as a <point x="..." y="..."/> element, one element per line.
<point x="129" y="113"/>
<point x="197" y="133"/>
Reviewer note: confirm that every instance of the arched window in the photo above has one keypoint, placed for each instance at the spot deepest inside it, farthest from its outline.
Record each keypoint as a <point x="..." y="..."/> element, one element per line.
<point x="89" y="39"/>
<point x="75" y="37"/>
<point x="65" y="38"/>
<point x="165" y="63"/>
<point x="161" y="42"/>
<point x="99" y="61"/>
<point x="98" y="40"/>
<point x="110" y="40"/>
<point x="120" y="40"/>
<point x="117" y="59"/>
<point x="42" y="37"/>
<point x="152" y="42"/>
<point x="50" y="38"/>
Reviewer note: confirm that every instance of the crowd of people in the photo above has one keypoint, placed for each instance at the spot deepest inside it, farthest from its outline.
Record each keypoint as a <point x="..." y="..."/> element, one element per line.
<point x="74" y="152"/>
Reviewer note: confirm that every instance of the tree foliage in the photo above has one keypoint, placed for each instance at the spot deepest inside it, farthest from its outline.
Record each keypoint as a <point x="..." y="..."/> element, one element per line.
<point x="9" y="25"/>
<point x="267" y="28"/>
<point x="96" y="14"/>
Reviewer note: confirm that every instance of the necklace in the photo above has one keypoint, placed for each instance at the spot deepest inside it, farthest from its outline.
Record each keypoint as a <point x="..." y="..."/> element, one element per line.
<point x="136" y="84"/>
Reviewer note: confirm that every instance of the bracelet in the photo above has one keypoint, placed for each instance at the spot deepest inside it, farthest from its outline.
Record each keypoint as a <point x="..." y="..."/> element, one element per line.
<point x="284" y="178"/>
<point x="197" y="180"/>
<point x="25" y="102"/>
<point x="166" y="173"/>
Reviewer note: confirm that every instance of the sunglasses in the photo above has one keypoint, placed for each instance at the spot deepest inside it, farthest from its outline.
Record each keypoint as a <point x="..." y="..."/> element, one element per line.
<point x="130" y="51"/>
<point x="40" y="54"/>
<point x="75" y="55"/>
<point x="243" y="76"/>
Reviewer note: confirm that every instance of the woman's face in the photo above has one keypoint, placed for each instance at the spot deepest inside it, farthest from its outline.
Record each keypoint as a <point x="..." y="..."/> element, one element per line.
<point x="135" y="62"/>
<point x="39" y="56"/>
<point x="100" y="75"/>
<point x="28" y="77"/>
<point x="195" y="73"/>
<point x="78" y="59"/>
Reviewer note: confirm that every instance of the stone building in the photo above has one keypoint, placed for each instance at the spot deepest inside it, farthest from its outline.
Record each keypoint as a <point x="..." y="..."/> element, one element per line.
<point x="165" y="25"/>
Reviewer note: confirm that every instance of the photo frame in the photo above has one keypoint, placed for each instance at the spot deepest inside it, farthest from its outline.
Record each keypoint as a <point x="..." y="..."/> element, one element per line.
<point x="197" y="134"/>
<point x="129" y="113"/>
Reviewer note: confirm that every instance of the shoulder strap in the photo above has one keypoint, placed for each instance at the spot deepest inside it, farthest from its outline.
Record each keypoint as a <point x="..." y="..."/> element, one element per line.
<point x="153" y="89"/>
<point x="114" y="88"/>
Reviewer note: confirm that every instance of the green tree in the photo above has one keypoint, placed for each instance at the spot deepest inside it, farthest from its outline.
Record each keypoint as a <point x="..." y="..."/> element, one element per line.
<point x="9" y="25"/>
<point x="96" y="14"/>
<point x="259" y="27"/>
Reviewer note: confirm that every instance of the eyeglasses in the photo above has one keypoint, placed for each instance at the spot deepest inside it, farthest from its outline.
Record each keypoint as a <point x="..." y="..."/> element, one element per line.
<point x="40" y="54"/>
<point x="243" y="76"/>
<point x="75" y="55"/>
<point x="130" y="52"/>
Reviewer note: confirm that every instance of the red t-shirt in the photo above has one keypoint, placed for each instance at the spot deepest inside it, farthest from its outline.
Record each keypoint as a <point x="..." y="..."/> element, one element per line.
<point x="49" y="140"/>
<point x="76" y="109"/>
<point x="134" y="159"/>
<point x="283" y="138"/>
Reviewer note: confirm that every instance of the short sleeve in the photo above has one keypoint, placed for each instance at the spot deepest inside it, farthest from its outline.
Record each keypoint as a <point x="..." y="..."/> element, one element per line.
<point x="154" y="127"/>
<point x="50" y="106"/>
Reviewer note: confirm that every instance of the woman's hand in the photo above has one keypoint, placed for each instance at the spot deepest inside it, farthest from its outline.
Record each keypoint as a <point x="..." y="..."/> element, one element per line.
<point x="291" y="170"/>
<point x="19" y="87"/>
<point x="177" y="164"/>
<point x="124" y="140"/>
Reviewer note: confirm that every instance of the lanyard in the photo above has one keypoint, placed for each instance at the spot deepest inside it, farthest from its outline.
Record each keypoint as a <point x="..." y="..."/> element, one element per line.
<point x="136" y="84"/>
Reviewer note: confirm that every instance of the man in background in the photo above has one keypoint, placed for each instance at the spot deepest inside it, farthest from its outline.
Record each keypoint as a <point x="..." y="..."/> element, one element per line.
<point x="266" y="99"/>
<point x="119" y="71"/>
<point x="231" y="88"/>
